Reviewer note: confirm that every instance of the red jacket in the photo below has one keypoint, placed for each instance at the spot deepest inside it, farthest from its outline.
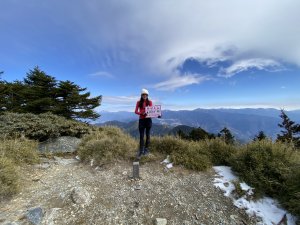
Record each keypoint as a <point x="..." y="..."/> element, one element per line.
<point x="141" y="111"/>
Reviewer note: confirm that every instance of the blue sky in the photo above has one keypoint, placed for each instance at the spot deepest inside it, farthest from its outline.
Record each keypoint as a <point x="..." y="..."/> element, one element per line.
<point x="188" y="54"/>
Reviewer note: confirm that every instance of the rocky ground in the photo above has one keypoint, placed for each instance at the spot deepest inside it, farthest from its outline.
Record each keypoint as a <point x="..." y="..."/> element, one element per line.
<point x="65" y="191"/>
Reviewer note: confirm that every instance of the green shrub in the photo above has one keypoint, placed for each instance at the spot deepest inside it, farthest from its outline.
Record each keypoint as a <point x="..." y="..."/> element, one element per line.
<point x="290" y="196"/>
<point x="190" y="154"/>
<point x="40" y="127"/>
<point x="193" y="156"/>
<point x="106" y="145"/>
<point x="167" y="144"/>
<point x="8" y="177"/>
<point x="19" y="150"/>
<point x="220" y="152"/>
<point x="272" y="169"/>
<point x="14" y="152"/>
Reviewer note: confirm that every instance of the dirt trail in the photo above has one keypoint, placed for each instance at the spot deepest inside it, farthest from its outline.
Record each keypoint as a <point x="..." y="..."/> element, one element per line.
<point x="108" y="196"/>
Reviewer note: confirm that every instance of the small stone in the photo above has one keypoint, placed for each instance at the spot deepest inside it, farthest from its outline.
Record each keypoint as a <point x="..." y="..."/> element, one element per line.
<point x="138" y="187"/>
<point x="50" y="216"/>
<point x="35" y="179"/>
<point x="233" y="217"/>
<point x="42" y="166"/>
<point x="160" y="221"/>
<point x="35" y="215"/>
<point x="64" y="162"/>
<point x="80" y="196"/>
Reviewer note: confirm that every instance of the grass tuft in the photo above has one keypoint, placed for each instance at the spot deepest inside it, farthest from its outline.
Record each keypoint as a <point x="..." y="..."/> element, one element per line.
<point x="9" y="178"/>
<point x="20" y="151"/>
<point x="12" y="154"/>
<point x="187" y="153"/>
<point x="107" y="145"/>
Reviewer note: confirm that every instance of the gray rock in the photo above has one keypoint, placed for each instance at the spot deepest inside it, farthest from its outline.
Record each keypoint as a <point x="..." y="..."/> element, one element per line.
<point x="160" y="221"/>
<point x="35" y="215"/>
<point x="62" y="161"/>
<point x="80" y="196"/>
<point x="60" y="144"/>
<point x="42" y="166"/>
<point x="51" y="216"/>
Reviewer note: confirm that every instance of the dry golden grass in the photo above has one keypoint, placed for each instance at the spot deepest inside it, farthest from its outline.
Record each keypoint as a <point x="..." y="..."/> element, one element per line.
<point x="107" y="145"/>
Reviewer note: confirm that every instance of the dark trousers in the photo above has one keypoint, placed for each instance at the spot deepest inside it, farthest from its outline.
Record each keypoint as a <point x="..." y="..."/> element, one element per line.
<point x="145" y="124"/>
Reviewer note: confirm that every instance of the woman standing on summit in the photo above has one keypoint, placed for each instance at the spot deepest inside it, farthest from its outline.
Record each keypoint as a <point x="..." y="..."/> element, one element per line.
<point x="144" y="122"/>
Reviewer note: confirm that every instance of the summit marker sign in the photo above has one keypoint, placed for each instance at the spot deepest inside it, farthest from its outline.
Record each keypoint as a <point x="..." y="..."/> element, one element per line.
<point x="153" y="111"/>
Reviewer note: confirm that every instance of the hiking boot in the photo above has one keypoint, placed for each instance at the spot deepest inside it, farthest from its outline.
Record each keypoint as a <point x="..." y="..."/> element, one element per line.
<point x="146" y="151"/>
<point x="140" y="154"/>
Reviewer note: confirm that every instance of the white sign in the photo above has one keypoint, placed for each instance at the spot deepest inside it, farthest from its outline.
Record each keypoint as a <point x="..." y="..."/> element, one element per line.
<point x="153" y="111"/>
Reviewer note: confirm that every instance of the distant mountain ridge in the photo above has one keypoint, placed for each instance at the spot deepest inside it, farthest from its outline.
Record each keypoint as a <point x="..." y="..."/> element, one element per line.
<point x="243" y="123"/>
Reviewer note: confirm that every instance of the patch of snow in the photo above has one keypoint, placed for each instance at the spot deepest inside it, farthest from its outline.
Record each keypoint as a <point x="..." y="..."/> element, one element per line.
<point x="227" y="187"/>
<point x="167" y="160"/>
<point x="169" y="165"/>
<point x="224" y="182"/>
<point x="92" y="162"/>
<point x="225" y="172"/>
<point x="247" y="188"/>
<point x="266" y="208"/>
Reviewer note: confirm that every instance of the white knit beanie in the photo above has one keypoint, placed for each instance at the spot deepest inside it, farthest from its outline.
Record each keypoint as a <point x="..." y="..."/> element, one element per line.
<point x="144" y="91"/>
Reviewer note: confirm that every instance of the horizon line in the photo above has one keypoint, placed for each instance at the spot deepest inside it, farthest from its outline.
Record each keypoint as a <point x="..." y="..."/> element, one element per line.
<point x="218" y="108"/>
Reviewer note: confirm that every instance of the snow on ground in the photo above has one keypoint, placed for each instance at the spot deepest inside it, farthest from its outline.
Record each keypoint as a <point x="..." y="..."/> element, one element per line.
<point x="266" y="208"/>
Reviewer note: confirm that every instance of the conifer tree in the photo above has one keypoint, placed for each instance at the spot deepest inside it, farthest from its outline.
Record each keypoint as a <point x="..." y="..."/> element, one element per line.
<point x="39" y="92"/>
<point x="290" y="132"/>
<point x="260" y="136"/>
<point x="226" y="135"/>
<point x="11" y="96"/>
<point x="71" y="103"/>
<point x="181" y="134"/>
<point x="199" y="134"/>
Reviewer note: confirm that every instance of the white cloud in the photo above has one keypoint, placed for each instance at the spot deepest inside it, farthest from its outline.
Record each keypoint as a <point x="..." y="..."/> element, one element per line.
<point x="101" y="74"/>
<point x="121" y="103"/>
<point x="293" y="105"/>
<point x="127" y="103"/>
<point x="179" y="81"/>
<point x="125" y="100"/>
<point x="257" y="63"/>
<point x="156" y="37"/>
<point x="160" y="35"/>
<point x="118" y="103"/>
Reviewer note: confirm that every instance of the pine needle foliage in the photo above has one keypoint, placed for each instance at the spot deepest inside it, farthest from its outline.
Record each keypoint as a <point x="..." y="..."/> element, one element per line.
<point x="40" y="127"/>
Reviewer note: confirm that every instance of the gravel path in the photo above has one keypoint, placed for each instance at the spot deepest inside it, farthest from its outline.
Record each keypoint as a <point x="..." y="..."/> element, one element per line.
<point x="70" y="192"/>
